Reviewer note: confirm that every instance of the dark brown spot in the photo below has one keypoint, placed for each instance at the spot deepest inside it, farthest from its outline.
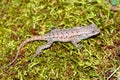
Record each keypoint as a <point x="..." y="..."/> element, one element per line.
<point x="65" y="37"/>
<point x="77" y="31"/>
<point x="34" y="31"/>
<point x="22" y="52"/>
<point x="116" y="42"/>
<point x="61" y="37"/>
<point x="72" y="32"/>
<point x="67" y="32"/>
<point x="61" y="33"/>
<point x="109" y="47"/>
<point x="57" y="35"/>
<point x="53" y="34"/>
<point x="13" y="36"/>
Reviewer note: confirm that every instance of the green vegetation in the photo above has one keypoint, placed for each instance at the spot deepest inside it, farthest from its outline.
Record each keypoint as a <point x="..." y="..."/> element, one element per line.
<point x="20" y="19"/>
<point x="114" y="2"/>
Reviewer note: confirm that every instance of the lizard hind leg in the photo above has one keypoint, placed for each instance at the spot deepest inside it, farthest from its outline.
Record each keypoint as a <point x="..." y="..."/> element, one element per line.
<point x="40" y="48"/>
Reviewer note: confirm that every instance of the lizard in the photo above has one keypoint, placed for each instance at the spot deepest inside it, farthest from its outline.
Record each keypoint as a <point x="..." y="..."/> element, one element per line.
<point x="73" y="35"/>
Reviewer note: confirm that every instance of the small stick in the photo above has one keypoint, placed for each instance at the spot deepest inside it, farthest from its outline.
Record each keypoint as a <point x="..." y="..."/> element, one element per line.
<point x="113" y="73"/>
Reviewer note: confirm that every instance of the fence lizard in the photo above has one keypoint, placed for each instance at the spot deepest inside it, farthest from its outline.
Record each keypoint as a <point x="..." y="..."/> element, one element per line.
<point x="73" y="35"/>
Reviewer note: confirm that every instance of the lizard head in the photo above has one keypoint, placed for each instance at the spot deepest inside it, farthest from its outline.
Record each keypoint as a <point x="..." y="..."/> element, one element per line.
<point x="89" y="31"/>
<point x="93" y="30"/>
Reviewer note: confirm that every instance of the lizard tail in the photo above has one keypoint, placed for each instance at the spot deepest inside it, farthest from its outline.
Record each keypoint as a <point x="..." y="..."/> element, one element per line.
<point x="23" y="44"/>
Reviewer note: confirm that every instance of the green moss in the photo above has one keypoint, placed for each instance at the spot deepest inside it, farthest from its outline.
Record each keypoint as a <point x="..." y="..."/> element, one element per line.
<point x="21" y="19"/>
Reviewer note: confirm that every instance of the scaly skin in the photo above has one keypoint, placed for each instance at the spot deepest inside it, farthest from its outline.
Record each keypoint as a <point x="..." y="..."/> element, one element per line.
<point x="74" y="35"/>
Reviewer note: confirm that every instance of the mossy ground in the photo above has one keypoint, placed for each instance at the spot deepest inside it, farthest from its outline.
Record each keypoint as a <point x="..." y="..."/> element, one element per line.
<point x="20" y="19"/>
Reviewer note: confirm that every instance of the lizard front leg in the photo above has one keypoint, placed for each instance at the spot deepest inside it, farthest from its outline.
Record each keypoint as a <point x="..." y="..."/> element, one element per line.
<point x="40" y="48"/>
<point x="75" y="43"/>
<point x="75" y="40"/>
